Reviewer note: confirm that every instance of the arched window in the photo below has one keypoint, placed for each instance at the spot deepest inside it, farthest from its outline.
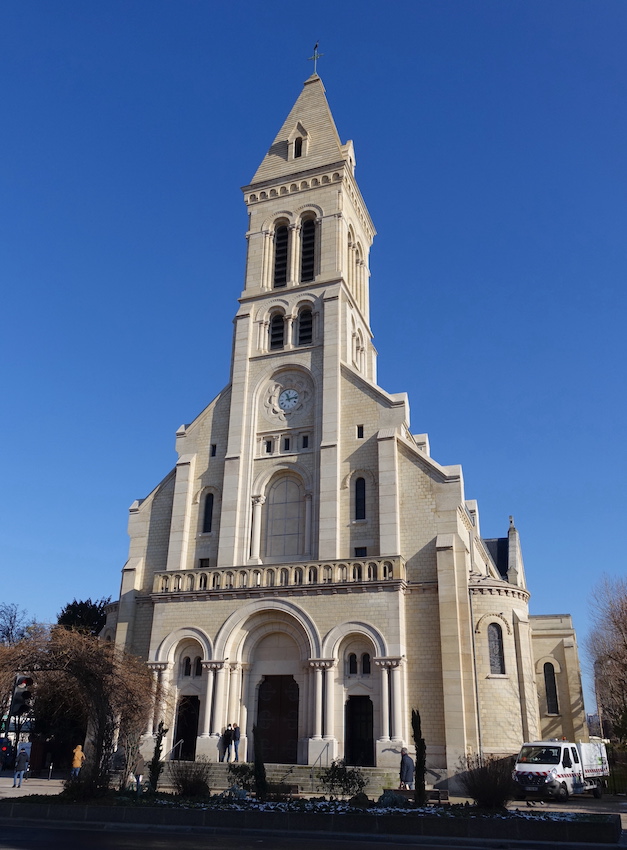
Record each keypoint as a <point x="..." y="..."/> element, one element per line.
<point x="328" y="574"/>
<point x="343" y="573"/>
<point x="243" y="579"/>
<point x="228" y="580"/>
<point x="495" y="648"/>
<point x="356" y="572"/>
<point x="207" y="518"/>
<point x="165" y="584"/>
<point x="298" y="576"/>
<point x="198" y="666"/>
<point x="187" y="666"/>
<point x="307" y="250"/>
<point x="365" y="664"/>
<point x="281" y="242"/>
<point x="190" y="582"/>
<point x="388" y="571"/>
<point x="269" y="578"/>
<point x="277" y="332"/>
<point x="177" y="583"/>
<point x="256" y="578"/>
<point x="372" y="572"/>
<point x="215" y="581"/>
<point x="298" y="147"/>
<point x="551" y="689"/>
<point x="360" y="498"/>
<point x="202" y="581"/>
<point x="305" y="326"/>
<point x="285" y="517"/>
<point x="284" y="577"/>
<point x="352" y="664"/>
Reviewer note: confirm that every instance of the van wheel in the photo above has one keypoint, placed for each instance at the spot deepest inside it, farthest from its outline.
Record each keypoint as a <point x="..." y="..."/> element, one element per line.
<point x="597" y="791"/>
<point x="562" y="793"/>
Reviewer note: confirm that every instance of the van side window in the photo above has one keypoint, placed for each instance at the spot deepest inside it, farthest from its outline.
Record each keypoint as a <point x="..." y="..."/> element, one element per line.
<point x="575" y="754"/>
<point x="566" y="759"/>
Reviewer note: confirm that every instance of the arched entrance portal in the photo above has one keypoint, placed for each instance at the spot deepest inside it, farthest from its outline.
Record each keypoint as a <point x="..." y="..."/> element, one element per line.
<point x="187" y="727"/>
<point x="359" y="733"/>
<point x="277" y="719"/>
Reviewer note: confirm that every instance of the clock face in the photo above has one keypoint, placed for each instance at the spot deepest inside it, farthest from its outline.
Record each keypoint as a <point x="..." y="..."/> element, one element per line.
<point x="288" y="399"/>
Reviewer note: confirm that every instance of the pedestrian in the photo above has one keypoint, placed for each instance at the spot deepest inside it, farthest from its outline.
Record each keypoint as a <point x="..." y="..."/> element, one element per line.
<point x="236" y="737"/>
<point x="407" y="771"/>
<point x="227" y="739"/>
<point x="138" y="771"/>
<point x="21" y="765"/>
<point x="78" y="757"/>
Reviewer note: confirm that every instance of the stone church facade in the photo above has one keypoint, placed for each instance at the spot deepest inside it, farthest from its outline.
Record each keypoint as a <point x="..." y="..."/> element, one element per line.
<point x="307" y="566"/>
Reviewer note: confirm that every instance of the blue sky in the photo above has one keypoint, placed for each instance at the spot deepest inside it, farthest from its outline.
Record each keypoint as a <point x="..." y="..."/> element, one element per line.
<point x="490" y="143"/>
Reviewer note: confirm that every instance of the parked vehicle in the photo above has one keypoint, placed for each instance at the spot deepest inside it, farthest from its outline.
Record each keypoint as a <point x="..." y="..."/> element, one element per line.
<point x="557" y="769"/>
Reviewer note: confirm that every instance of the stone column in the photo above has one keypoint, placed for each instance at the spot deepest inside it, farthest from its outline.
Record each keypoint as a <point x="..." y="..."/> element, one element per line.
<point x="397" y="705"/>
<point x="317" y="724"/>
<point x="205" y="720"/>
<point x="255" y="545"/>
<point x="234" y="694"/>
<point x="160" y="668"/>
<point x="329" y="700"/>
<point x="385" y="700"/>
<point x="266" y="275"/>
<point x="293" y="248"/>
<point x="220" y="687"/>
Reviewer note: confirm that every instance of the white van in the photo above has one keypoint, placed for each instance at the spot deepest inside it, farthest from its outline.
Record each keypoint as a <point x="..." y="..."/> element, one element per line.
<point x="557" y="769"/>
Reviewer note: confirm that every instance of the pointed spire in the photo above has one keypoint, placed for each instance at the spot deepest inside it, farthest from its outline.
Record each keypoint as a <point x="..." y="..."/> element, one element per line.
<point x="311" y="119"/>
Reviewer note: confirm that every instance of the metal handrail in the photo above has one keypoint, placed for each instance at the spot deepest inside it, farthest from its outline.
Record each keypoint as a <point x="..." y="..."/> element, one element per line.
<point x="171" y="750"/>
<point x="325" y="749"/>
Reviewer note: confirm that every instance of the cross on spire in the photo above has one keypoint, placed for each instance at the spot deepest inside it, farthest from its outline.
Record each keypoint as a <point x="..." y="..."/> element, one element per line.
<point x="315" y="58"/>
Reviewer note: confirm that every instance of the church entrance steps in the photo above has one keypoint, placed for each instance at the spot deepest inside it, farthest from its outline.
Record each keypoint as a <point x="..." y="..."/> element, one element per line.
<point x="295" y="775"/>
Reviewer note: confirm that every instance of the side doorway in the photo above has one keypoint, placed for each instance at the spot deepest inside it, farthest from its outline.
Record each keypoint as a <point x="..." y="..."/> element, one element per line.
<point x="359" y="732"/>
<point x="186" y="729"/>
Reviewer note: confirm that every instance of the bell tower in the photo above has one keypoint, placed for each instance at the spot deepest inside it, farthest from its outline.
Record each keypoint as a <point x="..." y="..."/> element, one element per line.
<point x="303" y="316"/>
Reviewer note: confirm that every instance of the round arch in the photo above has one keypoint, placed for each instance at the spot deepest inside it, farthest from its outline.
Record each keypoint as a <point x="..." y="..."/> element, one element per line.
<point x="342" y="631"/>
<point x="232" y="635"/>
<point x="167" y="648"/>
<point x="491" y="618"/>
<point x="547" y="659"/>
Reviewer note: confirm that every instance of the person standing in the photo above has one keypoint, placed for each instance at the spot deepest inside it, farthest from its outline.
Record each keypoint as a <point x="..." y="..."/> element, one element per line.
<point x="21" y="764"/>
<point x="138" y="771"/>
<point x="78" y="757"/>
<point x="236" y="737"/>
<point x="227" y="740"/>
<point x="407" y="771"/>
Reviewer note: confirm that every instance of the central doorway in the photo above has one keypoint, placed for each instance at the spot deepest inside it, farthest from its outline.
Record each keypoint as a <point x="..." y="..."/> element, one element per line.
<point x="359" y="737"/>
<point x="277" y="719"/>
<point x="187" y="727"/>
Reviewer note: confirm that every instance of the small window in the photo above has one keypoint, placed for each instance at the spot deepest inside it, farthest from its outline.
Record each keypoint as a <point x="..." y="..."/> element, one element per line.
<point x="207" y="520"/>
<point x="198" y="666"/>
<point x="298" y="576"/>
<point x="575" y="754"/>
<point x="202" y="581"/>
<point x="298" y="148"/>
<point x="215" y="581"/>
<point x="352" y="664"/>
<point x="277" y="329"/>
<point x="256" y="578"/>
<point x="365" y="664"/>
<point x="343" y="573"/>
<point x="360" y="432"/>
<point x="281" y="240"/>
<point x="268" y="447"/>
<point x="165" y="584"/>
<point x="312" y="575"/>
<point x="305" y="327"/>
<point x="187" y="666"/>
<point x="214" y="448"/>
<point x="551" y="689"/>
<point x="495" y="648"/>
<point x="328" y="574"/>
<point x="307" y="250"/>
<point x="305" y="441"/>
<point x="286" y="444"/>
<point x="204" y="563"/>
<point x="228" y="580"/>
<point x="270" y="578"/>
<point x="243" y="579"/>
<point x="566" y="760"/>
<point x="361" y="551"/>
<point x="372" y="569"/>
<point x="360" y="499"/>
<point x="284" y="579"/>
<point x="357" y="572"/>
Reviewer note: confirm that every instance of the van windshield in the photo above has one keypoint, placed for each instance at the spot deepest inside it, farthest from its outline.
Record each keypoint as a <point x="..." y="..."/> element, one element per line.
<point x="540" y="755"/>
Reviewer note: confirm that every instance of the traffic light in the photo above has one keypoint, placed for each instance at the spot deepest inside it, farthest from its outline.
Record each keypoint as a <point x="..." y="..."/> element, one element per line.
<point x="23" y="696"/>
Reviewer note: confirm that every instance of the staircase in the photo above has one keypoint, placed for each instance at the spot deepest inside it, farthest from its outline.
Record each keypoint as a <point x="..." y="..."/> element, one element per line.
<point x="295" y="775"/>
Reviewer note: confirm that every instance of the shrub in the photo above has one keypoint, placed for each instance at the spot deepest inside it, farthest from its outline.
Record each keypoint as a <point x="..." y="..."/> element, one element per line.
<point x="191" y="778"/>
<point x="391" y="800"/>
<point x="259" y="768"/>
<point x="420" y="793"/>
<point x="155" y="765"/>
<point x="488" y="780"/>
<point x="242" y="774"/>
<point x="341" y="779"/>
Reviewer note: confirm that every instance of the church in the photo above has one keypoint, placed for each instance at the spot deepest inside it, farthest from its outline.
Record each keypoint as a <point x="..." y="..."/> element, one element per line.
<point x="307" y="567"/>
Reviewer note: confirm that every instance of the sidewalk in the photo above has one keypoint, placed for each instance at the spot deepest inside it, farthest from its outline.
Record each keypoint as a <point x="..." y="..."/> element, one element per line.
<point x="29" y="786"/>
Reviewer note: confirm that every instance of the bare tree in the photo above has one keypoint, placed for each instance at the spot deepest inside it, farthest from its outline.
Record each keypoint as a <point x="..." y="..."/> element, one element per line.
<point x="112" y="687"/>
<point x="14" y="623"/>
<point x="607" y="645"/>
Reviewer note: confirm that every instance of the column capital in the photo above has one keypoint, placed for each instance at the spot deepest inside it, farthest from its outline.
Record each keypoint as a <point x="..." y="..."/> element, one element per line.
<point x="158" y="666"/>
<point x="214" y="665"/>
<point x="391" y="662"/>
<point x="322" y="663"/>
<point x="259" y="500"/>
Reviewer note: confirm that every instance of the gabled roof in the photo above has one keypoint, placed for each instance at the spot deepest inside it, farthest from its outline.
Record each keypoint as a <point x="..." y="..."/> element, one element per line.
<point x="312" y="115"/>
